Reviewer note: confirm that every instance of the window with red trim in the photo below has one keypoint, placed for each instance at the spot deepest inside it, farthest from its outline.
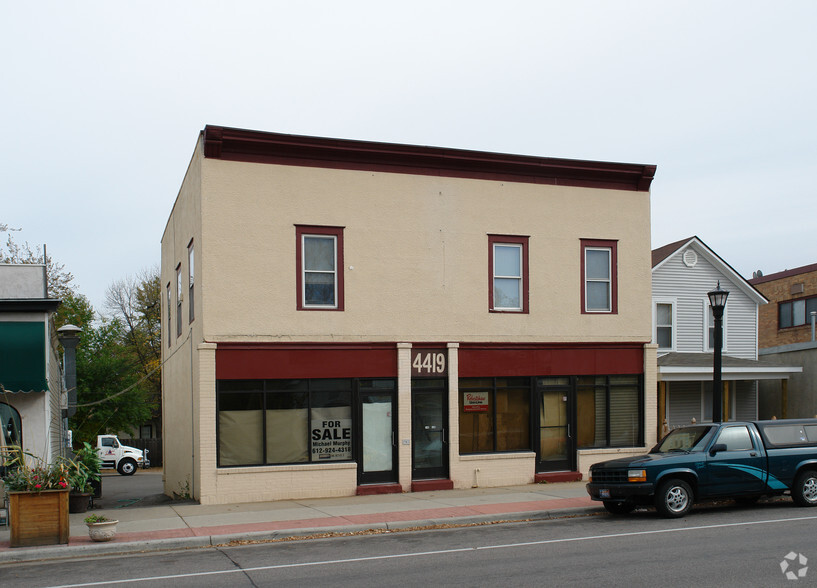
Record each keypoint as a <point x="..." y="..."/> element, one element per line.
<point x="599" y="268"/>
<point x="320" y="267"/>
<point x="508" y="273"/>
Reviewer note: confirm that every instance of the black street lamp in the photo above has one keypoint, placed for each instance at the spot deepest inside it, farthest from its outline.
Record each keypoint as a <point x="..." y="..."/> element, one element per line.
<point x="717" y="300"/>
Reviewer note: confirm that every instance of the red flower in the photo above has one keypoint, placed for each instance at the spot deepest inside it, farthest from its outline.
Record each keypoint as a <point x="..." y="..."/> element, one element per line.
<point x="37" y="486"/>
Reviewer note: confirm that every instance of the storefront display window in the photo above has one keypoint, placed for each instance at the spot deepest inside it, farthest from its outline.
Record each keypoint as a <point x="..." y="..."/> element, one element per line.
<point x="494" y="414"/>
<point x="609" y="411"/>
<point x="284" y="421"/>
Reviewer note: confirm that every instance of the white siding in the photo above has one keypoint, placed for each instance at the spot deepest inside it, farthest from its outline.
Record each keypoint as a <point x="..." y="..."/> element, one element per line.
<point x="684" y="403"/>
<point x="746" y="400"/>
<point x="689" y="286"/>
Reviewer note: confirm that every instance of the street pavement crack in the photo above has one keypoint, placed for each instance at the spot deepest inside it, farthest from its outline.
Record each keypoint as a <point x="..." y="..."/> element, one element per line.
<point x="238" y="567"/>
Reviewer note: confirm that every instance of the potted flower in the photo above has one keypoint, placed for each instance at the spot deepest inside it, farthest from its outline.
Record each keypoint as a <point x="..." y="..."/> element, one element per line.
<point x="38" y="499"/>
<point x="100" y="527"/>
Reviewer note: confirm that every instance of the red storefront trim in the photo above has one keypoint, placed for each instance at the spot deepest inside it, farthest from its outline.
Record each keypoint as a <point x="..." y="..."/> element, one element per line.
<point x="480" y="360"/>
<point x="252" y="361"/>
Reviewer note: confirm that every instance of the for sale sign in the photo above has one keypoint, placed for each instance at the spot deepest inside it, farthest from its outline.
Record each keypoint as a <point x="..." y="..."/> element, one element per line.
<point x="331" y="439"/>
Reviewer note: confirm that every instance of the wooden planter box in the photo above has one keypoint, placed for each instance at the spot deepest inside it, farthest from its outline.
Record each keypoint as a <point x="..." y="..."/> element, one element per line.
<point x="38" y="518"/>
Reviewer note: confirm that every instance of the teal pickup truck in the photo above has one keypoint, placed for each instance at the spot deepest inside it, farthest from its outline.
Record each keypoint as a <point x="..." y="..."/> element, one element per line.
<point x="740" y="460"/>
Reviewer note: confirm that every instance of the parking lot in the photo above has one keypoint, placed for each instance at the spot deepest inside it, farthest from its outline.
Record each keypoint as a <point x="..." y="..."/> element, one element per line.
<point x="144" y="488"/>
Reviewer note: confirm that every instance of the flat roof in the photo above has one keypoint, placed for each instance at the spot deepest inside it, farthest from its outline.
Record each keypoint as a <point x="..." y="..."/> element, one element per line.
<point x="232" y="144"/>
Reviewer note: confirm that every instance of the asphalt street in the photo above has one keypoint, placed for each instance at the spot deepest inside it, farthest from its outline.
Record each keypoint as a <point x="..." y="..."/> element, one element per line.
<point x="714" y="546"/>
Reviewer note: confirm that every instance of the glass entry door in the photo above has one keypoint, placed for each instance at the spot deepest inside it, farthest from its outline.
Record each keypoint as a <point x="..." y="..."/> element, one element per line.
<point x="429" y="411"/>
<point x="378" y="463"/>
<point x="556" y="449"/>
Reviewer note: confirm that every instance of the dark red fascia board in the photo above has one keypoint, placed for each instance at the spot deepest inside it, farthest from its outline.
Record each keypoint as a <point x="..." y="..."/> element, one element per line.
<point x="261" y="147"/>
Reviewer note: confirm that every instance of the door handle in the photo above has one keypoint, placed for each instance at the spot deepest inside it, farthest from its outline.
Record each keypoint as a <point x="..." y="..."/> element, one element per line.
<point x="753" y="454"/>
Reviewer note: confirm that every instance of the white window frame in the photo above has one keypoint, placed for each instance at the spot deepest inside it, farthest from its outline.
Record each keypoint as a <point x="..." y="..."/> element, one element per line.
<point x="519" y="279"/>
<point x="706" y="313"/>
<point x="608" y="281"/>
<point x="304" y="271"/>
<point x="191" y="272"/>
<point x="674" y="326"/>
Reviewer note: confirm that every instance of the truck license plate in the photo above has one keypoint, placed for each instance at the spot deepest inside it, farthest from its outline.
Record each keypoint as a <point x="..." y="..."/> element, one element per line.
<point x="604" y="493"/>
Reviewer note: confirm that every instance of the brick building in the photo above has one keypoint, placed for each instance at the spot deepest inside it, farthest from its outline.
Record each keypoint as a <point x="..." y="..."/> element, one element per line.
<point x="787" y="335"/>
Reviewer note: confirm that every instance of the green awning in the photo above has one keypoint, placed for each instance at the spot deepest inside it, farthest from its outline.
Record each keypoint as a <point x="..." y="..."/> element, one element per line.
<point x="22" y="356"/>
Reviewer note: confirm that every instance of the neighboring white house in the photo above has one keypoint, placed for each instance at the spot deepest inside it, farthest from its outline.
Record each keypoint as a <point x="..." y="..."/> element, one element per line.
<point x="683" y="328"/>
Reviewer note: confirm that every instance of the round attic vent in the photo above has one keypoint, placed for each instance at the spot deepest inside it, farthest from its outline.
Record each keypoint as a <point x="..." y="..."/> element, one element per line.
<point x="690" y="258"/>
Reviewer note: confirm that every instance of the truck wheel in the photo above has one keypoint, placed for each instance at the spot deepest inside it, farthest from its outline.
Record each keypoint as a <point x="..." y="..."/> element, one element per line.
<point x="619" y="508"/>
<point x="804" y="491"/>
<point x="127" y="467"/>
<point x="674" y="499"/>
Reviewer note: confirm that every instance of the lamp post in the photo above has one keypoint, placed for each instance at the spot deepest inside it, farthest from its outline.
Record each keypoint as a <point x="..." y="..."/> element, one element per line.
<point x="69" y="337"/>
<point x="717" y="300"/>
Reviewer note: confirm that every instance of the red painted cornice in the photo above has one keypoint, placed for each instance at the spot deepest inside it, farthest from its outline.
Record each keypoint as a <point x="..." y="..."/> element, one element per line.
<point x="259" y="147"/>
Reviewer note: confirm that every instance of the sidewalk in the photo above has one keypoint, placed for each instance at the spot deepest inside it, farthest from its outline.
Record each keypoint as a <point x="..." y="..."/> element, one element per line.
<point x="187" y="525"/>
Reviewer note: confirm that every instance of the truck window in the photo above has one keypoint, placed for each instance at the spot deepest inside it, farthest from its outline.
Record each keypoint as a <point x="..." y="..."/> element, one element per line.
<point x="683" y="439"/>
<point x="736" y="439"/>
<point x="785" y="434"/>
<point x="107" y="442"/>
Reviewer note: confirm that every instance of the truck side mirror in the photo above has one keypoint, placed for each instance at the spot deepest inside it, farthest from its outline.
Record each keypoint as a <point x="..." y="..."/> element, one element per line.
<point x="717" y="448"/>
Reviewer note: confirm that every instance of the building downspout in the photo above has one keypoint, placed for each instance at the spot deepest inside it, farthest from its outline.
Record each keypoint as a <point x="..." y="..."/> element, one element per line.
<point x="813" y="320"/>
<point x="193" y="419"/>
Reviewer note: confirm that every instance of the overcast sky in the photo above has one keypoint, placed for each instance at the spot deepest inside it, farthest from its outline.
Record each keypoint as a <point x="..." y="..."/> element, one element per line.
<point x="102" y="103"/>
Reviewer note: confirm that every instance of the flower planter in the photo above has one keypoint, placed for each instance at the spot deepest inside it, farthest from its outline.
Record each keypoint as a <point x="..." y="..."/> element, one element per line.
<point x="103" y="531"/>
<point x="38" y="518"/>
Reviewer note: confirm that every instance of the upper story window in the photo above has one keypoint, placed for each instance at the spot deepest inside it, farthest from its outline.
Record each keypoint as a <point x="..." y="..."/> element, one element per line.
<point x="599" y="276"/>
<point x="169" y="315"/>
<point x="709" y="328"/>
<point x="796" y="313"/>
<point x="191" y="268"/>
<point x="179" y="300"/>
<point x="508" y="262"/>
<point x="320" y="267"/>
<point x="664" y="322"/>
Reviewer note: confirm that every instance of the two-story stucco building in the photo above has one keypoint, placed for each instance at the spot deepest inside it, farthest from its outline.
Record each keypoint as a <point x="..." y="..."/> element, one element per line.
<point x="346" y="317"/>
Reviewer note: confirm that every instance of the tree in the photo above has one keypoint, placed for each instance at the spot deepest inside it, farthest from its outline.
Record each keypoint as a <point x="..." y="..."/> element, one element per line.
<point x="111" y="395"/>
<point x="136" y="303"/>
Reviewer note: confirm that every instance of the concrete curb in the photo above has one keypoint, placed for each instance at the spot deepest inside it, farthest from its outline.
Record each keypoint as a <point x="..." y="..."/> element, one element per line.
<point x="51" y="553"/>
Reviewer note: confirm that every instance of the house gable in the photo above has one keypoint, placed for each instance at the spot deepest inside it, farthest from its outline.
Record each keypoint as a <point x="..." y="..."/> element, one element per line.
<point x="683" y="278"/>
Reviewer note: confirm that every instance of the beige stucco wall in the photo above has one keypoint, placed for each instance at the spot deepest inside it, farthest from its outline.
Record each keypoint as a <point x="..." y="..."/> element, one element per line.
<point x="180" y="383"/>
<point x="416" y="255"/>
